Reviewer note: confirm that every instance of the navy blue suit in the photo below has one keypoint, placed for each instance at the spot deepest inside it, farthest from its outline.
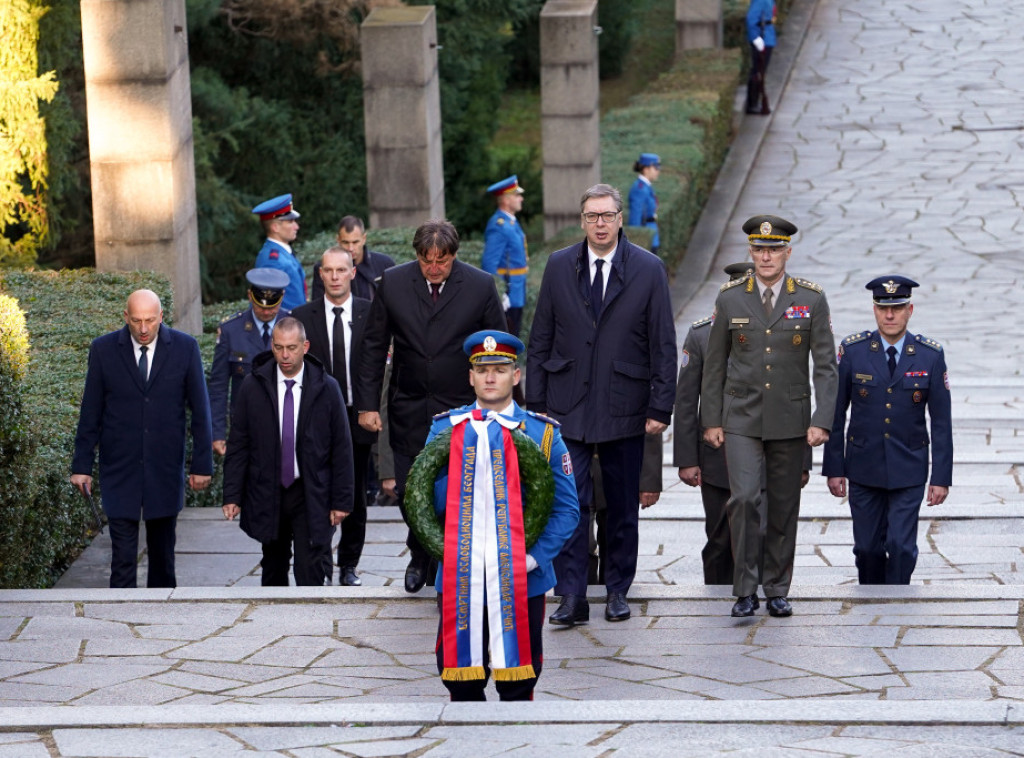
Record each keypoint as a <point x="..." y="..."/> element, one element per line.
<point x="140" y="430"/>
<point x="602" y="380"/>
<point x="884" y="451"/>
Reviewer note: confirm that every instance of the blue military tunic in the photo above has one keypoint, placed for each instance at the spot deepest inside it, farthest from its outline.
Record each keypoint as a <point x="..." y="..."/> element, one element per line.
<point x="564" y="513"/>
<point x="505" y="255"/>
<point x="643" y="208"/>
<point x="275" y="255"/>
<point x="239" y="340"/>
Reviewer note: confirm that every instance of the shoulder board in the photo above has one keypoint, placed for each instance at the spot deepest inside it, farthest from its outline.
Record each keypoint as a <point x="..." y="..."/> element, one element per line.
<point x="734" y="283"/>
<point x="545" y="419"/>
<point x="444" y="414"/>
<point x="807" y="285"/>
<point x="929" y="342"/>
<point x="856" y="337"/>
<point x="500" y="222"/>
<point x="232" y="316"/>
<point x="702" y="322"/>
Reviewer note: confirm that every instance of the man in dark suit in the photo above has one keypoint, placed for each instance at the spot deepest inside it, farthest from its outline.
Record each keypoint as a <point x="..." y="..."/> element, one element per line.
<point x="890" y="379"/>
<point x="428" y="307"/>
<point x="288" y="470"/>
<point x="602" y="361"/>
<point x="140" y="380"/>
<point x="369" y="264"/>
<point x="335" y="324"/>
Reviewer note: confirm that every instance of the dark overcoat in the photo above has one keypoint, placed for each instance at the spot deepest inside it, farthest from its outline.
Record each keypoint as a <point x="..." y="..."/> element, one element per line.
<point x="252" y="470"/>
<point x="603" y="379"/>
<point x="140" y="426"/>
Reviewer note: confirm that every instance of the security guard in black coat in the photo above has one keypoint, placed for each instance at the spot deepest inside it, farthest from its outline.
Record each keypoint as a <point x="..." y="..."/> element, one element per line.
<point x="240" y="338"/>
<point x="889" y="378"/>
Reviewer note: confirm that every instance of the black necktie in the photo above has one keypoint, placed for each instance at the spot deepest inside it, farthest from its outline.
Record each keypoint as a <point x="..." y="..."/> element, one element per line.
<point x="597" y="289"/>
<point x="266" y="335"/>
<point x="338" y="359"/>
<point x="892" y="360"/>
<point x="435" y="291"/>
<point x="144" y="363"/>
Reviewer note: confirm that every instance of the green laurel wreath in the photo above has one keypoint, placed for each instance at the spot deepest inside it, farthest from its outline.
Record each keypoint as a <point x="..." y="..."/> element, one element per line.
<point x="535" y="477"/>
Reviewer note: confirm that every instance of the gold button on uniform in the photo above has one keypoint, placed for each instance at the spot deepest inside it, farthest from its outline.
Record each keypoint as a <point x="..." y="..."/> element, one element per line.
<point x="887" y="421"/>
<point x="767" y="385"/>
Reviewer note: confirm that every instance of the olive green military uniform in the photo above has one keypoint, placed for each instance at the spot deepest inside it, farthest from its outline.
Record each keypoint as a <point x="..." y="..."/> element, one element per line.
<point x="757" y="387"/>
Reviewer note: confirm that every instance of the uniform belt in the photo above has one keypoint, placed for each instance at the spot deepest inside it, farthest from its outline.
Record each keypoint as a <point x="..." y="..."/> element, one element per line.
<point x="513" y="271"/>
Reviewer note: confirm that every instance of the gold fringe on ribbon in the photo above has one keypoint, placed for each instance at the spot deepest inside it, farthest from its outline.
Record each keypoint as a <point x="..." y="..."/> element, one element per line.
<point x="515" y="674"/>
<point x="464" y="674"/>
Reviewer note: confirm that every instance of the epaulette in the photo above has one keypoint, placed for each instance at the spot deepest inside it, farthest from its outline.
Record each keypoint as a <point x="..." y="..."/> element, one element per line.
<point x="500" y="222"/>
<point x="855" y="337"/>
<point x="702" y="322"/>
<point x="443" y="414"/>
<point x="734" y="283"/>
<point x="929" y="342"/>
<point x="545" y="419"/>
<point x="232" y="316"/>
<point x="807" y="284"/>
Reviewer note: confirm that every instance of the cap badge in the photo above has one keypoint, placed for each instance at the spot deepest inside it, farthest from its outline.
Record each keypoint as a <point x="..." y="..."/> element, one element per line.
<point x="490" y="344"/>
<point x="766" y="227"/>
<point x="891" y="287"/>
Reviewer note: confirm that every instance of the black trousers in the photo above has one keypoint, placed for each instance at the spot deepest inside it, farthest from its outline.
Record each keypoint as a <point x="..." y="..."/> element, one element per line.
<point x="758" y="68"/>
<point x="418" y="554"/>
<point x="353" y="527"/>
<point x="293" y="528"/>
<point x="519" y="690"/>
<point x="124" y="551"/>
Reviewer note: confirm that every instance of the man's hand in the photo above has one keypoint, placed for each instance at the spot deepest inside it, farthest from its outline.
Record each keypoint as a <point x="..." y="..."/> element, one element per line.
<point x="647" y="499"/>
<point x="388" y="485"/>
<point x="937" y="495"/>
<point x="370" y="421"/>
<point x="230" y="511"/>
<point x="220" y="447"/>
<point x="655" y="427"/>
<point x="82" y="483"/>
<point x="837" y="485"/>
<point x="690" y="475"/>
<point x="714" y="436"/>
<point x="198" y="481"/>
<point x="816" y="436"/>
<point x="337" y="517"/>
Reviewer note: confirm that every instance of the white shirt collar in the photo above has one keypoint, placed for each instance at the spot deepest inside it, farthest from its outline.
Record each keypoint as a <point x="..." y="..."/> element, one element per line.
<point x="281" y="378"/>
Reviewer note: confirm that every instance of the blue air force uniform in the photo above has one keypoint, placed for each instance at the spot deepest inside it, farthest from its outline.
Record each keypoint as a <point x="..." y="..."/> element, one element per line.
<point x="643" y="201"/>
<point x="884" y="450"/>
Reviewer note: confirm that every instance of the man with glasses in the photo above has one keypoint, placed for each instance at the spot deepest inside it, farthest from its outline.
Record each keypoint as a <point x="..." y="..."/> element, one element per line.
<point x="602" y="361"/>
<point x="756" y="399"/>
<point x="428" y="307"/>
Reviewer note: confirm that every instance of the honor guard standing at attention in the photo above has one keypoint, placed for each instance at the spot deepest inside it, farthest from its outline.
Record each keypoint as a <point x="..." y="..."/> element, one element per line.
<point x="239" y="338"/>
<point x="492" y="602"/>
<point x="643" y="202"/>
<point x="756" y="399"/>
<point x="505" y="249"/>
<point x="279" y="220"/>
<point x="701" y="465"/>
<point x="888" y="378"/>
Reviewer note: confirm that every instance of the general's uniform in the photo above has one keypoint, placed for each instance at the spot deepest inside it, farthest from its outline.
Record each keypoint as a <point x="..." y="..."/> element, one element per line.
<point x="884" y="450"/>
<point x="757" y="387"/>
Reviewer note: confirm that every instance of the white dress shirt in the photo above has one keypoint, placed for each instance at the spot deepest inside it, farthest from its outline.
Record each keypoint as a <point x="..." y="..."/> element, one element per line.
<point x="605" y="270"/>
<point x="346" y="325"/>
<point x="296" y="399"/>
<point x="149" y="353"/>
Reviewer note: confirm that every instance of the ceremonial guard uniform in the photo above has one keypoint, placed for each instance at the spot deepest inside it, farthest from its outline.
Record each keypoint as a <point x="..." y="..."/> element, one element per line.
<point x="240" y="338"/>
<point x="884" y="451"/>
<point x="643" y="202"/>
<point x="275" y="254"/>
<point x="490" y="618"/>
<point x="756" y="389"/>
<point x="505" y="252"/>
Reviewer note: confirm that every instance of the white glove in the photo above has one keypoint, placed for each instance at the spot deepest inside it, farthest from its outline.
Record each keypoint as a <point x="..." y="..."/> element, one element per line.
<point x="758" y="45"/>
<point x="505" y="302"/>
<point x="531" y="563"/>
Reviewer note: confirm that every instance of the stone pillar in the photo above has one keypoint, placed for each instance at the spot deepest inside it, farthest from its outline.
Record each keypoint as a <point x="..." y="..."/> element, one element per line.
<point x="402" y="110"/>
<point x="698" y="24"/>
<point x="569" y="99"/>
<point x="139" y="110"/>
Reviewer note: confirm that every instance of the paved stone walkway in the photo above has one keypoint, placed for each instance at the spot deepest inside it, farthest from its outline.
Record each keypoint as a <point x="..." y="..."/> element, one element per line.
<point x="896" y="148"/>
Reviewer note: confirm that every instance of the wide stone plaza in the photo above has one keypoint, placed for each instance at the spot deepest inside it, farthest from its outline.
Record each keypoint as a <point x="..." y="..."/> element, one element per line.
<point x="895" y="145"/>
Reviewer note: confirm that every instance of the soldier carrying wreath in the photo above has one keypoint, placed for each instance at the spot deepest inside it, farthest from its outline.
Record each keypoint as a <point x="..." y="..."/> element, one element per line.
<point x="493" y="498"/>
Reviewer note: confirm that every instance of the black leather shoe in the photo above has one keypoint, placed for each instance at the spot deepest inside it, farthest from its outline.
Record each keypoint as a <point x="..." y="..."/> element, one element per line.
<point x="415" y="577"/>
<point x="572" y="610"/>
<point x="347" y="577"/>
<point x="745" y="606"/>
<point x="617" y="608"/>
<point x="779" y="606"/>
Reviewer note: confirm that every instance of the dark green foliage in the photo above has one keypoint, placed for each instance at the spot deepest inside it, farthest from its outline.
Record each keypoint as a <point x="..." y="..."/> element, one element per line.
<point x="44" y="519"/>
<point x="618" y="21"/>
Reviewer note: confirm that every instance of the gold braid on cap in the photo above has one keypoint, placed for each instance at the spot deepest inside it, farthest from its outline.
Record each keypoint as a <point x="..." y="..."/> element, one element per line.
<point x="754" y="237"/>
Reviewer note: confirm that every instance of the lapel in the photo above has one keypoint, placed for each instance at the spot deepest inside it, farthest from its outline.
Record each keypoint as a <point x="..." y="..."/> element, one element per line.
<point x="583" y="278"/>
<point x="320" y="337"/>
<point x="360" y="308"/>
<point x="254" y="333"/>
<point x="782" y="302"/>
<point x="450" y="290"/>
<point x="616" y="275"/>
<point x="420" y="290"/>
<point x="162" y="354"/>
<point x="126" y="349"/>
<point x="879" y="362"/>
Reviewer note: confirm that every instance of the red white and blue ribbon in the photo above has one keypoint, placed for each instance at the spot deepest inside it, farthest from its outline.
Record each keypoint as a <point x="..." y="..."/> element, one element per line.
<point x="485" y="553"/>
